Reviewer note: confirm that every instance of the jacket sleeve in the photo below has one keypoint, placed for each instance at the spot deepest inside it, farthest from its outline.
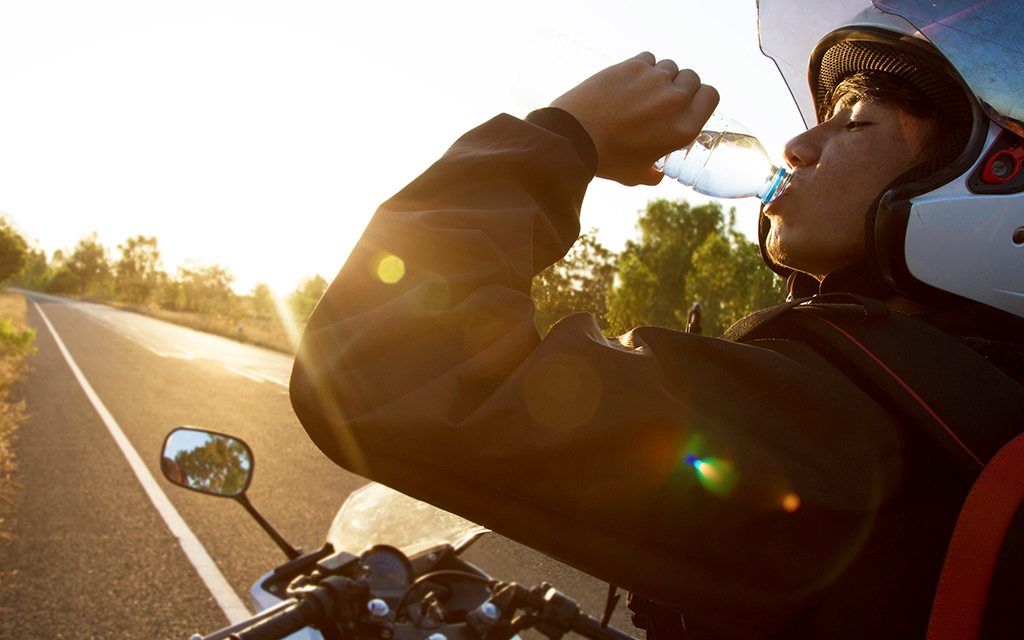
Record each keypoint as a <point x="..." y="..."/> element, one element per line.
<point x="726" y="480"/>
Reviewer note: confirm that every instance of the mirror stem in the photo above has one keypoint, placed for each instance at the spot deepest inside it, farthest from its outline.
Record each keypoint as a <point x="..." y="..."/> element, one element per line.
<point x="288" y="549"/>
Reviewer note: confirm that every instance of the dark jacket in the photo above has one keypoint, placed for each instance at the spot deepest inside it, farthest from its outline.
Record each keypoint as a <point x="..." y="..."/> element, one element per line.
<point x="753" y="487"/>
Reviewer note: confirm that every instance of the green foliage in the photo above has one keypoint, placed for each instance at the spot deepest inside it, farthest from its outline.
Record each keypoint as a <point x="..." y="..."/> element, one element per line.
<point x="13" y="250"/>
<point x="15" y="342"/>
<point x="261" y="300"/>
<point x="306" y="296"/>
<point x="34" y="274"/>
<point x="61" y="280"/>
<point x="205" y="288"/>
<point x="669" y="234"/>
<point x="687" y="254"/>
<point x="221" y="465"/>
<point x="89" y="264"/>
<point x="634" y="300"/>
<point x="579" y="282"/>
<point x="170" y="295"/>
<point x="138" y="271"/>
<point x="730" y="280"/>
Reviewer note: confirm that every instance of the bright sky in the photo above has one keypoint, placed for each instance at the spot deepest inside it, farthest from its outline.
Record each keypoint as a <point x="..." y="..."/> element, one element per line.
<point x="263" y="135"/>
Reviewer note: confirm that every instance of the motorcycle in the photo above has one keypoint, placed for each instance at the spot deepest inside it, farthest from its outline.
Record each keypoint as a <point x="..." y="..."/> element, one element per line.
<point x="390" y="567"/>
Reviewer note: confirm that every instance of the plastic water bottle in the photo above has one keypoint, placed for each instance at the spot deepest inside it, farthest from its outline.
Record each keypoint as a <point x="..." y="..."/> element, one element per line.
<point x="726" y="161"/>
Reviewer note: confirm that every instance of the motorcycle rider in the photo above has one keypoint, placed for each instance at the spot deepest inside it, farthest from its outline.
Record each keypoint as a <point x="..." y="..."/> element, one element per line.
<point x="751" y="485"/>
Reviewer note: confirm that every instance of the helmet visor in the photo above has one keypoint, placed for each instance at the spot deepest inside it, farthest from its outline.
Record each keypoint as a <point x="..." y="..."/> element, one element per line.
<point x="982" y="40"/>
<point x="790" y="30"/>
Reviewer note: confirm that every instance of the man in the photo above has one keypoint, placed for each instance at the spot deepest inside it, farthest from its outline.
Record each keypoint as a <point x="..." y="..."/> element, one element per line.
<point x="751" y="484"/>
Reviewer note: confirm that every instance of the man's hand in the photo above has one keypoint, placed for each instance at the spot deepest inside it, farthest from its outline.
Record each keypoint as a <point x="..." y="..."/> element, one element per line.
<point x="636" y="112"/>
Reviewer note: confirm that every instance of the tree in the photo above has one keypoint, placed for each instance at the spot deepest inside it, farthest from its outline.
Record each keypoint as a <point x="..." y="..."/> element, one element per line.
<point x="138" y="271"/>
<point x="220" y="465"/>
<point x="261" y="299"/>
<point x="205" y="288"/>
<point x="170" y="294"/>
<point x="579" y="282"/>
<point x="33" y="274"/>
<point x="89" y="264"/>
<point x="634" y="300"/>
<point x="730" y="280"/>
<point x="687" y="254"/>
<point x="306" y="296"/>
<point x="13" y="250"/>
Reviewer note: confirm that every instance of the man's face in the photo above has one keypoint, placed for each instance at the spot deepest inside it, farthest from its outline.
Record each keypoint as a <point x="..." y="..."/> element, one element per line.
<point x="839" y="168"/>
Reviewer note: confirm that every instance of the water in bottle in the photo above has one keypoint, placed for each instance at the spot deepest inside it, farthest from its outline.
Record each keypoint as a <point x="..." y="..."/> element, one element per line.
<point x="726" y="161"/>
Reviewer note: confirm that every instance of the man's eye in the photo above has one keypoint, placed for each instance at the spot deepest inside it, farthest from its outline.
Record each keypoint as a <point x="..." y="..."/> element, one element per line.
<point x="854" y="125"/>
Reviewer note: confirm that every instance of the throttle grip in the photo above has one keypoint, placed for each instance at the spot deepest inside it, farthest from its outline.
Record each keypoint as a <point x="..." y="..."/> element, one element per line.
<point x="306" y="612"/>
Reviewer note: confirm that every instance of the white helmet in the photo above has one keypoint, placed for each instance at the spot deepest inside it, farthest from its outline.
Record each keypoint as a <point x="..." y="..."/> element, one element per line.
<point x="953" y="227"/>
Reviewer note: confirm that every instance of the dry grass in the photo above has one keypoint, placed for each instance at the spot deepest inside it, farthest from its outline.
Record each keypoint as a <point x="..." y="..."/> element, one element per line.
<point x="12" y="413"/>
<point x="12" y="307"/>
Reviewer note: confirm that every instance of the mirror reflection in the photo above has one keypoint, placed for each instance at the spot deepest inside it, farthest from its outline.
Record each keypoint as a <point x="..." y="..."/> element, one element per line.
<point x="207" y="462"/>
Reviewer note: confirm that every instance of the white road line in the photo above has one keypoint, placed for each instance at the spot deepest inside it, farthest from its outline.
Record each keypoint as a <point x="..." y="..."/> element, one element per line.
<point x="222" y="592"/>
<point x="244" y="374"/>
<point x="255" y="375"/>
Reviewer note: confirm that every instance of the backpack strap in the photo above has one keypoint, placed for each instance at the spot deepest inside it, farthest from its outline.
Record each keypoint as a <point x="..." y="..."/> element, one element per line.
<point x="996" y="497"/>
<point x="969" y="407"/>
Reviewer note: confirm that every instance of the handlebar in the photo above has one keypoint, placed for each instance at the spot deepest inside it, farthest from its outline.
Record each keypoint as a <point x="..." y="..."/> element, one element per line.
<point x="306" y="612"/>
<point x="559" y="613"/>
<point x="340" y="600"/>
<point x="334" y="598"/>
<point x="591" y="628"/>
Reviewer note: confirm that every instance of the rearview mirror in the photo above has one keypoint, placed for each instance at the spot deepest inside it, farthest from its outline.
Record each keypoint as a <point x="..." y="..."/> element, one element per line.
<point x="207" y="462"/>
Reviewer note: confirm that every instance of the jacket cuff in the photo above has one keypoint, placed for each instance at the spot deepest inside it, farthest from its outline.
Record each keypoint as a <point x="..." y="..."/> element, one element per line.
<point x="562" y="123"/>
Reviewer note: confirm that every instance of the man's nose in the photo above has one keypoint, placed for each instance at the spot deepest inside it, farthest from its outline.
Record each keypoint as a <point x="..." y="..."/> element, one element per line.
<point x="802" y="150"/>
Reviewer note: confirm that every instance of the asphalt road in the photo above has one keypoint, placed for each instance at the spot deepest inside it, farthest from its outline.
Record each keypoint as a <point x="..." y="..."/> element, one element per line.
<point x="92" y="557"/>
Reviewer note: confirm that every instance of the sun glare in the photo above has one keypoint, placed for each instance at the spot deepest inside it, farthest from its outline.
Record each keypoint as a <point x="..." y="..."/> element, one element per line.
<point x="287" y="318"/>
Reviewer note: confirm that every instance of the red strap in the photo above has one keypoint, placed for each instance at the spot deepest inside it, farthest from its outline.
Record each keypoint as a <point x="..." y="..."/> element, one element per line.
<point x="994" y="499"/>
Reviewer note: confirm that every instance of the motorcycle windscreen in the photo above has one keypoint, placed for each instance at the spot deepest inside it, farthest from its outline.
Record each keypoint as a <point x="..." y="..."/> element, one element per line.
<point x="376" y="514"/>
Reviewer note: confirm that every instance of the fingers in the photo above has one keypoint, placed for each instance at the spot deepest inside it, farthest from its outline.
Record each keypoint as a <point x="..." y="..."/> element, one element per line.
<point x="636" y="112"/>
<point x="687" y="81"/>
<point x="703" y="101"/>
<point x="699" y="96"/>
<point x="645" y="56"/>
<point x="668" y="66"/>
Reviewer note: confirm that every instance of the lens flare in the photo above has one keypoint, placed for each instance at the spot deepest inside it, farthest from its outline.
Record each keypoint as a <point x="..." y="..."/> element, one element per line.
<point x="390" y="269"/>
<point x="714" y="474"/>
<point x="790" y="503"/>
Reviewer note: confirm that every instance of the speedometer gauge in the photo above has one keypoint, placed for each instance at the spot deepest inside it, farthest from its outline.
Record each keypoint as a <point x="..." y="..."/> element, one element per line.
<point x="389" y="569"/>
